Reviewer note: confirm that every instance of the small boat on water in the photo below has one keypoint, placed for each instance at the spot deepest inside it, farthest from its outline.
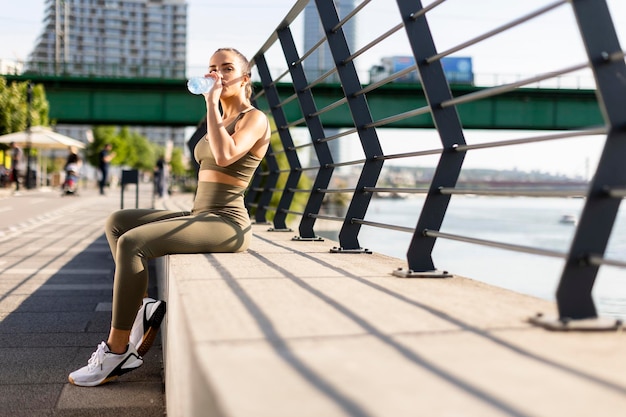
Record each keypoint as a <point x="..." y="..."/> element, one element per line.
<point x="568" y="219"/>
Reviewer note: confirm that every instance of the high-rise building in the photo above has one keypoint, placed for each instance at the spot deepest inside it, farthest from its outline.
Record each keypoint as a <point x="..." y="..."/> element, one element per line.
<point x="114" y="38"/>
<point x="321" y="60"/>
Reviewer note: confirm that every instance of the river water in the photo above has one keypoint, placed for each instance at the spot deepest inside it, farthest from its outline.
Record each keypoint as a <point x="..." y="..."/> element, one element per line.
<point x="526" y="221"/>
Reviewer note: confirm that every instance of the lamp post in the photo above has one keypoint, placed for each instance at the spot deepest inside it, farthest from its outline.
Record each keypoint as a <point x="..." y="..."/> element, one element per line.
<point x="29" y="99"/>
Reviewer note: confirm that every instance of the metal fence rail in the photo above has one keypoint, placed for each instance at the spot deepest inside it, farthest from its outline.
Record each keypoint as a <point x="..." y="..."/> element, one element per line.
<point x="602" y="196"/>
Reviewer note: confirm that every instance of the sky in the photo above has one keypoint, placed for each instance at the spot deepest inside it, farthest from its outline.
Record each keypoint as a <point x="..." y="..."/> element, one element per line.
<point x="546" y="44"/>
<point x="211" y="24"/>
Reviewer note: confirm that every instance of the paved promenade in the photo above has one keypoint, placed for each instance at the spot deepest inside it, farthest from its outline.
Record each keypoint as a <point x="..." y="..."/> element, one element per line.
<point x="56" y="276"/>
<point x="288" y="329"/>
<point x="330" y="336"/>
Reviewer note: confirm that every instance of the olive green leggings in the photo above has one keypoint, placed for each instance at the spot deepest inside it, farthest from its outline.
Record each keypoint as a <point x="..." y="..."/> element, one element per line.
<point x="137" y="235"/>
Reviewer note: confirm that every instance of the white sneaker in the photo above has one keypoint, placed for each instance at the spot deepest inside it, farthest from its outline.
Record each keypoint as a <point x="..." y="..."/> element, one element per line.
<point x="146" y="325"/>
<point x="105" y="366"/>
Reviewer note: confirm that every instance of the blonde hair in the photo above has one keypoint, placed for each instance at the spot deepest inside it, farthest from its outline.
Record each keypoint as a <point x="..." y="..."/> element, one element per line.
<point x="246" y="68"/>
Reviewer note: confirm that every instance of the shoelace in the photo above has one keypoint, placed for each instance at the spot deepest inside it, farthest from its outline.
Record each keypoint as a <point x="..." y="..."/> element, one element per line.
<point x="97" y="357"/>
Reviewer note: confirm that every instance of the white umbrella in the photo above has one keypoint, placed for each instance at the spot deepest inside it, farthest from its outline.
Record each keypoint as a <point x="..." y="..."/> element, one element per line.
<point x="41" y="137"/>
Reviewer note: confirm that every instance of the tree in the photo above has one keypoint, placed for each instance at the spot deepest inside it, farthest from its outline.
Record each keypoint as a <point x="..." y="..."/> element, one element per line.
<point x="176" y="163"/>
<point x="101" y="136"/>
<point x="14" y="106"/>
<point x="131" y="149"/>
<point x="304" y="183"/>
<point x="139" y="153"/>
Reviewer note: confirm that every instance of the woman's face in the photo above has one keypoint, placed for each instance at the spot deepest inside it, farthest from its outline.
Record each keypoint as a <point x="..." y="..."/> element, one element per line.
<point x="229" y="66"/>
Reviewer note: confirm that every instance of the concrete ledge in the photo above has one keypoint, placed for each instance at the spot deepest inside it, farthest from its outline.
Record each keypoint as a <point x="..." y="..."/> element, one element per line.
<point x="290" y="329"/>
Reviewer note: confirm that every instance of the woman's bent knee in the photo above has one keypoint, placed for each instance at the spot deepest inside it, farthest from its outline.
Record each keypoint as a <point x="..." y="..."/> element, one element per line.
<point x="112" y="220"/>
<point x="120" y="221"/>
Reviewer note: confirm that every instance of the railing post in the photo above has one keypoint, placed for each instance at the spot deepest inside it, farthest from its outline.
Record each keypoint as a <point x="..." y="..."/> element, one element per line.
<point x="359" y="109"/>
<point x="448" y="125"/>
<point x="193" y="141"/>
<point x="316" y="130"/>
<point x="253" y="192"/>
<point x="268" y="186"/>
<point x="273" y="100"/>
<point x="600" y="210"/>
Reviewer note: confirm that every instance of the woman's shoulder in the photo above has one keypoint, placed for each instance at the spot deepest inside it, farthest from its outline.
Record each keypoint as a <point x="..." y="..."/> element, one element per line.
<point x="259" y="122"/>
<point x="254" y="112"/>
<point x="255" y="116"/>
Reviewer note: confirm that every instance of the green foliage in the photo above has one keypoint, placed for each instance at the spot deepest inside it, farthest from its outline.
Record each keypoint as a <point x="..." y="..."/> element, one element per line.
<point x="14" y="106"/>
<point x="101" y="136"/>
<point x="139" y="152"/>
<point x="131" y="149"/>
<point x="304" y="183"/>
<point x="177" y="165"/>
<point x="299" y="200"/>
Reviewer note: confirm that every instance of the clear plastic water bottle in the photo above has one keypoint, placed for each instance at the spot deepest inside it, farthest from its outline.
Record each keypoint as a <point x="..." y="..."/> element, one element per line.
<point x="200" y="85"/>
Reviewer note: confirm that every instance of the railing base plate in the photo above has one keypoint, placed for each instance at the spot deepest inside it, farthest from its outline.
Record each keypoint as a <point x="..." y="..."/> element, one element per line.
<point x="271" y="229"/>
<point x="308" y="239"/>
<point x="409" y="273"/>
<point x="596" y="324"/>
<point x="343" y="250"/>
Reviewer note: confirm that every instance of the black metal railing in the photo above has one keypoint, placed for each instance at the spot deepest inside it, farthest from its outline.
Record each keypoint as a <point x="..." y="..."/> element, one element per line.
<point x="602" y="196"/>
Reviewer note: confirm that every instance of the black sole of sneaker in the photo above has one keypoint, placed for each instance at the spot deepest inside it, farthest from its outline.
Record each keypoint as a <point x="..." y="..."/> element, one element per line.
<point x="153" y="328"/>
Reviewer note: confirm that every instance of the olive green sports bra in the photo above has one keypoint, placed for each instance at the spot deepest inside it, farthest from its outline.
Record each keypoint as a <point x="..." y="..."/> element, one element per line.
<point x="242" y="169"/>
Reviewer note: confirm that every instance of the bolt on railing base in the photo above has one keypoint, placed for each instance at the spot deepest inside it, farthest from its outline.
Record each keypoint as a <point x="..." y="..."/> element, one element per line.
<point x="308" y="239"/>
<point x="271" y="229"/>
<point x="595" y="324"/>
<point x="336" y="249"/>
<point x="409" y="273"/>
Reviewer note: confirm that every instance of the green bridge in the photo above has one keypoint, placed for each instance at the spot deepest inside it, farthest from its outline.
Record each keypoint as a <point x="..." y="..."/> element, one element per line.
<point x="166" y="102"/>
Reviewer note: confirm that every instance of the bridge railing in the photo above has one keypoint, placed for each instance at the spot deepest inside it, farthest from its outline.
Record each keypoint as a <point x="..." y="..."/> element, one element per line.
<point x="602" y="197"/>
<point x="35" y="66"/>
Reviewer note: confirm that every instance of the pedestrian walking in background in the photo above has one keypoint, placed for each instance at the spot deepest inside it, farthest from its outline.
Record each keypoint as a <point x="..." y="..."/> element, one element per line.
<point x="104" y="159"/>
<point x="161" y="173"/>
<point x="17" y="159"/>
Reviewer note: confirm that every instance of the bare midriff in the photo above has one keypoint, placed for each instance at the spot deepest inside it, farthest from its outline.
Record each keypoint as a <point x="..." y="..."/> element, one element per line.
<point x="210" y="175"/>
